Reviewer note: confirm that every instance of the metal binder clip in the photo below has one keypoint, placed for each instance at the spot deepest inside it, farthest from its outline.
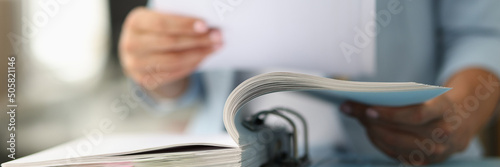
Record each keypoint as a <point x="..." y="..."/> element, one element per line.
<point x="286" y="143"/>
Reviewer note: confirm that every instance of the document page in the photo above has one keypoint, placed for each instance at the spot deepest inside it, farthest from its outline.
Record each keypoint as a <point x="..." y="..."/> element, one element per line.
<point x="121" y="144"/>
<point x="326" y="36"/>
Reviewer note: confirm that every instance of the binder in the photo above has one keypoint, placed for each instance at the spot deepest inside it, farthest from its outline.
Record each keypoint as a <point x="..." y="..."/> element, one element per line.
<point x="284" y="149"/>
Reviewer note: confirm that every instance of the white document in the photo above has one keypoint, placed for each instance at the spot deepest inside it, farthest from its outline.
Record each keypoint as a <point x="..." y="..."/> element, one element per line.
<point x="108" y="149"/>
<point x="326" y="36"/>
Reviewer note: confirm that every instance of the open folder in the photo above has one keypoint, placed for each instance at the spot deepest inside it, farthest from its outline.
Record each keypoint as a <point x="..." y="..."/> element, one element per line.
<point x="238" y="147"/>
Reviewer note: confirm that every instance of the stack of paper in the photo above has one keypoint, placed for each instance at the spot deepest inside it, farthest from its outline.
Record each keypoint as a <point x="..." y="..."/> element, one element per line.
<point x="138" y="150"/>
<point x="371" y="93"/>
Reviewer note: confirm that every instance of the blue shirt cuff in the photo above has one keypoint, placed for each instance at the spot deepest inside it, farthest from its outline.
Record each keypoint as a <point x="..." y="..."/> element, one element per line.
<point x="471" y="52"/>
<point x="192" y="95"/>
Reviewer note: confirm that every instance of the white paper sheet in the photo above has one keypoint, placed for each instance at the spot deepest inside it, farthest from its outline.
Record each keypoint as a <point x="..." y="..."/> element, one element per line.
<point x="289" y="35"/>
<point x="123" y="144"/>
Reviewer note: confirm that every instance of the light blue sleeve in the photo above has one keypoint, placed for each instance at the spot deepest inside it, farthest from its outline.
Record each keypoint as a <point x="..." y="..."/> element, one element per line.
<point x="193" y="94"/>
<point x="471" y="34"/>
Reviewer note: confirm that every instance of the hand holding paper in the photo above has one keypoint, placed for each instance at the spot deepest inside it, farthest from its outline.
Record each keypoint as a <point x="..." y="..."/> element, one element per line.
<point x="160" y="50"/>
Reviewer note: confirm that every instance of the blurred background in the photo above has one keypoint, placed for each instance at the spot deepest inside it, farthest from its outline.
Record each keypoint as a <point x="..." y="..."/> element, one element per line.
<point x="68" y="74"/>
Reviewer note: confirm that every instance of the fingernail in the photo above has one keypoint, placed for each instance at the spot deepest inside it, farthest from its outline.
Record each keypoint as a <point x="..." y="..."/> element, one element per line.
<point x="216" y="37"/>
<point x="200" y="27"/>
<point x="371" y="113"/>
<point x="346" y="109"/>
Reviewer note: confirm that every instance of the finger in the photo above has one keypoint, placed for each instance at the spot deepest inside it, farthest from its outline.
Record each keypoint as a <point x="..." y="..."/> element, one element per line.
<point x="440" y="131"/>
<point x="178" y="74"/>
<point x="408" y="115"/>
<point x="383" y="146"/>
<point x="173" y="61"/>
<point x="353" y="109"/>
<point x="138" y="67"/>
<point x="401" y="142"/>
<point x="419" y="114"/>
<point x="149" y="21"/>
<point x="143" y="44"/>
<point x="404" y="143"/>
<point x="419" y="130"/>
<point x="394" y="151"/>
<point x="437" y="132"/>
<point x="154" y="81"/>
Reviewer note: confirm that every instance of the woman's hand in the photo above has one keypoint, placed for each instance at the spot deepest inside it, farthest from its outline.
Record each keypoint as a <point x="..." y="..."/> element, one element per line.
<point x="159" y="51"/>
<point x="432" y="131"/>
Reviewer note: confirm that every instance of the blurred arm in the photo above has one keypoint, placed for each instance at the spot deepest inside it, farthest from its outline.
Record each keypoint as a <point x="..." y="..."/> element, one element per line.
<point x="471" y="36"/>
<point x="193" y="93"/>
